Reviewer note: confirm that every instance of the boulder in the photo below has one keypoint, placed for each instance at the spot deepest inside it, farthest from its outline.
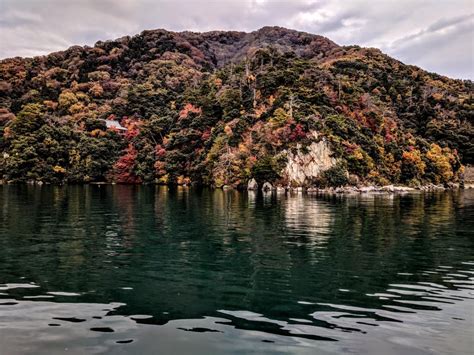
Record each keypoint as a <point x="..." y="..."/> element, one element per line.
<point x="267" y="187"/>
<point x="366" y="189"/>
<point x="350" y="190"/>
<point x="280" y="189"/>
<point x="403" y="189"/>
<point x="388" y="188"/>
<point x="252" y="185"/>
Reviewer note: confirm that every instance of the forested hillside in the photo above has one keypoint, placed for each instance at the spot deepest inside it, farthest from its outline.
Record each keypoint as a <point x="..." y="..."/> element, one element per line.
<point x="221" y="107"/>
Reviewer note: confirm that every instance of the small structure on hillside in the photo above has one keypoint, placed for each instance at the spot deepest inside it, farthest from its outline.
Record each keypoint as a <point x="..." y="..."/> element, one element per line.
<point x="112" y="124"/>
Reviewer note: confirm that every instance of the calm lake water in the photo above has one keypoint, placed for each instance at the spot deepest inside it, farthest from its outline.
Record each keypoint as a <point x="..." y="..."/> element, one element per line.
<point x="148" y="270"/>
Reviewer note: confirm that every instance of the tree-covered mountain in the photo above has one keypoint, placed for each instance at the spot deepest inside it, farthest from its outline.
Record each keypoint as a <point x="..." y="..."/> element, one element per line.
<point x="220" y="107"/>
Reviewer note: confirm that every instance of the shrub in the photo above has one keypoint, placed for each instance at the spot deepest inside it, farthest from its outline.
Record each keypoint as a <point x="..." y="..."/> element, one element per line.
<point x="265" y="169"/>
<point x="413" y="166"/>
<point x="334" y="177"/>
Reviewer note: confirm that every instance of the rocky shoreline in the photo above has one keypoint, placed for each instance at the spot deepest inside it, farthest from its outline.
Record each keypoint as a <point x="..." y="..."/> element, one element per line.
<point x="372" y="189"/>
<point x="267" y="187"/>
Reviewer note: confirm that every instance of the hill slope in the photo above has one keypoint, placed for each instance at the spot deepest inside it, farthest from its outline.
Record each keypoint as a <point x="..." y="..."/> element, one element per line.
<point x="221" y="107"/>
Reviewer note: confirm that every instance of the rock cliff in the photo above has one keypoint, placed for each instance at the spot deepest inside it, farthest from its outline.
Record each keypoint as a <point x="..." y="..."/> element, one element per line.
<point x="307" y="163"/>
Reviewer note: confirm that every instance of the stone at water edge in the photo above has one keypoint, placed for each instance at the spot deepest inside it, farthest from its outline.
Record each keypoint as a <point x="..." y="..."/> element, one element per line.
<point x="366" y="189"/>
<point x="388" y="188"/>
<point x="403" y="189"/>
<point x="252" y="185"/>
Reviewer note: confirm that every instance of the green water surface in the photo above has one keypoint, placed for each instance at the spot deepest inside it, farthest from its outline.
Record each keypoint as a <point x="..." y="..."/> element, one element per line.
<point x="156" y="270"/>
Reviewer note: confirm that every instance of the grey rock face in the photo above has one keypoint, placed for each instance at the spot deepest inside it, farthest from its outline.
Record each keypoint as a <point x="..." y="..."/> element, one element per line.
<point x="252" y="185"/>
<point x="267" y="187"/>
<point x="366" y="189"/>
<point x="307" y="164"/>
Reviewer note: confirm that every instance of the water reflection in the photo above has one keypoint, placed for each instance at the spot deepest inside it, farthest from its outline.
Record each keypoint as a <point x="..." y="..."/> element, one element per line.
<point x="120" y="266"/>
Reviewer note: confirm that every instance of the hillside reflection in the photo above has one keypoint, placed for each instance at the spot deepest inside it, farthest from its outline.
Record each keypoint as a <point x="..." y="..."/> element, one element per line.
<point x="184" y="253"/>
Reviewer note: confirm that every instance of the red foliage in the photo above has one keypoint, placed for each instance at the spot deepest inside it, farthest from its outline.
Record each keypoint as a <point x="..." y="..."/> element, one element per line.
<point x="350" y="147"/>
<point x="160" y="168"/>
<point x="390" y="128"/>
<point x="297" y="133"/>
<point x="132" y="125"/>
<point x="123" y="168"/>
<point x="160" y="151"/>
<point x="205" y="135"/>
<point x="189" y="108"/>
<point x="5" y="116"/>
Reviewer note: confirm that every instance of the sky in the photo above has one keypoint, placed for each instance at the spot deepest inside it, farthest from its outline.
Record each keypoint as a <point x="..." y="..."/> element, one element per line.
<point x="437" y="35"/>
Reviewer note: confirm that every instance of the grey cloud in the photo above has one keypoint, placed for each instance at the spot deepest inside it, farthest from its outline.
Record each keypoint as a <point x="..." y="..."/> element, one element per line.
<point x="331" y="23"/>
<point x="427" y="33"/>
<point x="437" y="26"/>
<point x="447" y="22"/>
<point x="449" y="52"/>
<point x="18" y="19"/>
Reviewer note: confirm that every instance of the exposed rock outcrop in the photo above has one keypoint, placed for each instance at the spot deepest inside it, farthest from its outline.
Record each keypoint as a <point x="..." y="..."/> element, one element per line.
<point x="468" y="177"/>
<point x="306" y="164"/>
<point x="267" y="187"/>
<point x="252" y="185"/>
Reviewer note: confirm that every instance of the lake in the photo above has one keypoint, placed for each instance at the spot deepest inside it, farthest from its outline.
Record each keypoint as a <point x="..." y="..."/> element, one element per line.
<point x="149" y="269"/>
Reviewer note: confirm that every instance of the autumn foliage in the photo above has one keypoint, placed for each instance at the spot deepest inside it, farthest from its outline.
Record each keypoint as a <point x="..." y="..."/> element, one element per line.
<point x="123" y="170"/>
<point x="218" y="108"/>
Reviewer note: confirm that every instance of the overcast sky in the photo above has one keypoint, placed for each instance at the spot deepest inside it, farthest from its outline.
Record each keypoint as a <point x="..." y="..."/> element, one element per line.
<point x="437" y="35"/>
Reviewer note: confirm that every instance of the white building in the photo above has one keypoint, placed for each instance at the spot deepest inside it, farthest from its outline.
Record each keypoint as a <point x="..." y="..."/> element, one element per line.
<point x="115" y="125"/>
